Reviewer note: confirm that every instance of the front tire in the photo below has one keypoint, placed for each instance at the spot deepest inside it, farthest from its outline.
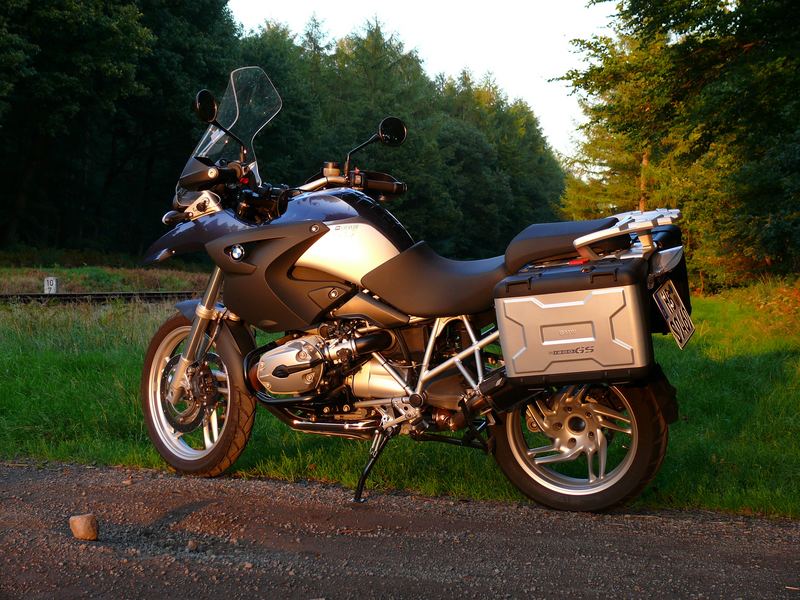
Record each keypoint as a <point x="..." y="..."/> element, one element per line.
<point x="207" y="430"/>
<point x="583" y="448"/>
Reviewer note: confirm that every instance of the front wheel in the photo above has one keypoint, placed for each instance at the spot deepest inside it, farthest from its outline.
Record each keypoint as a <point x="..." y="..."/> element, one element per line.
<point x="583" y="448"/>
<point x="206" y="430"/>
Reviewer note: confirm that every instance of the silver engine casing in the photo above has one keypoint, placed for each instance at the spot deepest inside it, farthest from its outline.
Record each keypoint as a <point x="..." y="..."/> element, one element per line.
<point x="296" y="352"/>
<point x="373" y="381"/>
<point x="370" y="381"/>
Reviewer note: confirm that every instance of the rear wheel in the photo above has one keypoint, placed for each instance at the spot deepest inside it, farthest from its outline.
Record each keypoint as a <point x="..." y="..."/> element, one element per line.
<point x="207" y="429"/>
<point x="583" y="448"/>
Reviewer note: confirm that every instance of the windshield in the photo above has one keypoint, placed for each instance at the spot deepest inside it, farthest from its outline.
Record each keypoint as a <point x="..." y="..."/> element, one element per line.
<point x="249" y="103"/>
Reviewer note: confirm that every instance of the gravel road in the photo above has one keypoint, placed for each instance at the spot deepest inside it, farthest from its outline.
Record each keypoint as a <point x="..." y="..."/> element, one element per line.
<point x="165" y="536"/>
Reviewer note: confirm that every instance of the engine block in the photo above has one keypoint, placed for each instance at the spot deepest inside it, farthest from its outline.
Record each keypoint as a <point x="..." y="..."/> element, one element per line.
<point x="280" y="372"/>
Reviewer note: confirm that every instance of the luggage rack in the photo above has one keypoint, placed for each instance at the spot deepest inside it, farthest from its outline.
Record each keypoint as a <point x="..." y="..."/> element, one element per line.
<point x="635" y="222"/>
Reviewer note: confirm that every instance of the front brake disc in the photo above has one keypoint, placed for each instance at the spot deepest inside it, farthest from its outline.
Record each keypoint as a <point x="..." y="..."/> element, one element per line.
<point x="188" y="413"/>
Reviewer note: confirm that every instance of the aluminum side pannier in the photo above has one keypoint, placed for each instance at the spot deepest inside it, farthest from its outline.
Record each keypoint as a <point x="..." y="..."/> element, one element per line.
<point x="575" y="323"/>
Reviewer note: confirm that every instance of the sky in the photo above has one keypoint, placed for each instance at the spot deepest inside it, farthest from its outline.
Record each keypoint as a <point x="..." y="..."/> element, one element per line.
<point x="523" y="44"/>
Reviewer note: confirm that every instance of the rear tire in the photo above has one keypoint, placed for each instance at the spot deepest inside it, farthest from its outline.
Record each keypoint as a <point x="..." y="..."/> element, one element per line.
<point x="218" y="418"/>
<point x="551" y="449"/>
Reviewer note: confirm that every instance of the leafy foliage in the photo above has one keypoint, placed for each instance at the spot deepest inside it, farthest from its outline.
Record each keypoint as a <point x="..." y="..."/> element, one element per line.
<point x="707" y="91"/>
<point x="99" y="106"/>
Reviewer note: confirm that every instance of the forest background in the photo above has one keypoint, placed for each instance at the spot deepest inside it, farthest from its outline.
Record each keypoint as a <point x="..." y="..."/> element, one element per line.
<point x="692" y="103"/>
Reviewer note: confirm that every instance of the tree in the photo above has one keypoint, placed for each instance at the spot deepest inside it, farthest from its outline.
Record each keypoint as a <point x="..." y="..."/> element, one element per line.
<point x="153" y="131"/>
<point x="109" y="127"/>
<point x="709" y="91"/>
<point x="522" y="179"/>
<point x="101" y="114"/>
<point x="605" y="176"/>
<point x="79" y="58"/>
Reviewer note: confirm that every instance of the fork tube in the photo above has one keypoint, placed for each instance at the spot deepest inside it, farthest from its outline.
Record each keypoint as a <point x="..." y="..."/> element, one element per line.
<point x="203" y="316"/>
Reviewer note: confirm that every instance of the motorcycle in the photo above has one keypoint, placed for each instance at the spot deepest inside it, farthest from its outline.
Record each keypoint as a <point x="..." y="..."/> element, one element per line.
<point x="542" y="357"/>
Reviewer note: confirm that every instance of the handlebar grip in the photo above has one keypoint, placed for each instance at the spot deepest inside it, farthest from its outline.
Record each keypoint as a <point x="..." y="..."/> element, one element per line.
<point x="266" y="196"/>
<point x="387" y="187"/>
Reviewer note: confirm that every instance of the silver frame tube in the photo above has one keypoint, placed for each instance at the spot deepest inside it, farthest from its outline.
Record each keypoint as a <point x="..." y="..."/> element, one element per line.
<point x="475" y="349"/>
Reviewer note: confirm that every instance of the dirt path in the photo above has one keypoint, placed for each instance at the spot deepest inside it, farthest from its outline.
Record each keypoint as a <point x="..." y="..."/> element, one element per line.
<point x="271" y="539"/>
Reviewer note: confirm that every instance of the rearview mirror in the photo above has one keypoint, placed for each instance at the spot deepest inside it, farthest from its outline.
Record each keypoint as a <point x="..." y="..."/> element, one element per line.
<point x="205" y="106"/>
<point x="392" y="131"/>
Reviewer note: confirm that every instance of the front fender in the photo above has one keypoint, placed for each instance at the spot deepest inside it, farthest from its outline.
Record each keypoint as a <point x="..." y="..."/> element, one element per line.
<point x="192" y="236"/>
<point x="235" y="334"/>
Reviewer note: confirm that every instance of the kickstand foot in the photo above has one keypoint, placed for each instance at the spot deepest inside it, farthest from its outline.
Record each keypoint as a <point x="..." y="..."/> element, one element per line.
<point x="378" y="444"/>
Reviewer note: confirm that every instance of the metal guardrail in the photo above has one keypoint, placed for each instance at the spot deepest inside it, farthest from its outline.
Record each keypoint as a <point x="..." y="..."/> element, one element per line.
<point x="98" y="297"/>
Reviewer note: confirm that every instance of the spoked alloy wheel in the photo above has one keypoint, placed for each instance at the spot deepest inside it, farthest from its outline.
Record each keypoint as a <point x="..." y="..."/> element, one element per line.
<point x="206" y="429"/>
<point x="192" y="426"/>
<point x="583" y="448"/>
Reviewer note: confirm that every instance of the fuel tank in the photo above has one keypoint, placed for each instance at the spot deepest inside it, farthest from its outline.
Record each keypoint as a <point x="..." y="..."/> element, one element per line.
<point x="308" y="261"/>
<point x="362" y="234"/>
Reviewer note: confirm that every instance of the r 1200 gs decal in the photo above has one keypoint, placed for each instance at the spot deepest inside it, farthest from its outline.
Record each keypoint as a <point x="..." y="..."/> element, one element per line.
<point x="578" y="350"/>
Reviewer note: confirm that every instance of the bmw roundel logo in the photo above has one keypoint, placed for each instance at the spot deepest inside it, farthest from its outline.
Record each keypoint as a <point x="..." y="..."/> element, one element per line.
<point x="236" y="252"/>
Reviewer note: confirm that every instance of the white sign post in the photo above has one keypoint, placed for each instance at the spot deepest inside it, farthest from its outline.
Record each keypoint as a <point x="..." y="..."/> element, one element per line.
<point x="50" y="285"/>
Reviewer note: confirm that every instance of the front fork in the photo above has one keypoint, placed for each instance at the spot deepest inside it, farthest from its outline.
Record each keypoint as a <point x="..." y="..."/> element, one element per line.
<point x="204" y="314"/>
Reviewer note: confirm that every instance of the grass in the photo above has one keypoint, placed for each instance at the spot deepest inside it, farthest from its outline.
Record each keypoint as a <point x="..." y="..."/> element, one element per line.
<point x="70" y="378"/>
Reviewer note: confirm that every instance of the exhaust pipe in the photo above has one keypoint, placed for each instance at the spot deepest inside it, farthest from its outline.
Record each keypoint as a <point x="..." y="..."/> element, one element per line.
<point x="356" y="430"/>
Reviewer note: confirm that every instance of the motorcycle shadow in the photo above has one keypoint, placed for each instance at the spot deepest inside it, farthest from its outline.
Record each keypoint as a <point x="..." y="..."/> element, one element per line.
<point x="425" y="468"/>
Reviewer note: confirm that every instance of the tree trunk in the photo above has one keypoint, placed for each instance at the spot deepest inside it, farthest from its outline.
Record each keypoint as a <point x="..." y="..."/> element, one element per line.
<point x="644" y="193"/>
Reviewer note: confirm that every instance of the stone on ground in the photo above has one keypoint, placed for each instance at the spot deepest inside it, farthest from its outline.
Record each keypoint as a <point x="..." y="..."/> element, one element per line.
<point x="84" y="527"/>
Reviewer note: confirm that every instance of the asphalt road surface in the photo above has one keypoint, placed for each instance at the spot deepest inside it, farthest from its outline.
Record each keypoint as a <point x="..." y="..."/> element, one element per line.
<point x="163" y="536"/>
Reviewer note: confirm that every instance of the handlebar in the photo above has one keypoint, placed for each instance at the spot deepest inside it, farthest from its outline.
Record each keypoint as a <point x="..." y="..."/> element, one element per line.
<point x="273" y="199"/>
<point x="320" y="183"/>
<point x="359" y="180"/>
<point x="387" y="187"/>
<point x="225" y="174"/>
<point x="199" y="175"/>
<point x="174" y="217"/>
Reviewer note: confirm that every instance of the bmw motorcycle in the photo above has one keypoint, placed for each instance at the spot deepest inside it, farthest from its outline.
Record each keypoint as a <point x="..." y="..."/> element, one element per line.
<point x="542" y="357"/>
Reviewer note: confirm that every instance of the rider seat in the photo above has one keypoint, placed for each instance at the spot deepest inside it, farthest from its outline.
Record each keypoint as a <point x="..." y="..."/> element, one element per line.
<point x="421" y="283"/>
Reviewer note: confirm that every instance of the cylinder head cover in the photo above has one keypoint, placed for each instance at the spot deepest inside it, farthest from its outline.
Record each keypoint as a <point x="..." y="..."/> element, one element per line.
<point x="301" y="351"/>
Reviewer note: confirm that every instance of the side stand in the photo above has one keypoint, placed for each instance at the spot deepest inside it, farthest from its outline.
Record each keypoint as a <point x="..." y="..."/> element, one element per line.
<point x="378" y="444"/>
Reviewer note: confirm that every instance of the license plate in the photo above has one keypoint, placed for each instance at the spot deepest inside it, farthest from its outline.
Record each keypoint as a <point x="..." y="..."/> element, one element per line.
<point x="674" y="313"/>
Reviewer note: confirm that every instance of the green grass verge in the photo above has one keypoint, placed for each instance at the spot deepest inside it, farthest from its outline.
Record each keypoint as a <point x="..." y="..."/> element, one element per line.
<point x="70" y="384"/>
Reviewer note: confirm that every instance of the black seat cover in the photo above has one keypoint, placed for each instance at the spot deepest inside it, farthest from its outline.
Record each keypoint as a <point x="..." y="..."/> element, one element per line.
<point x="545" y="240"/>
<point x="421" y="283"/>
